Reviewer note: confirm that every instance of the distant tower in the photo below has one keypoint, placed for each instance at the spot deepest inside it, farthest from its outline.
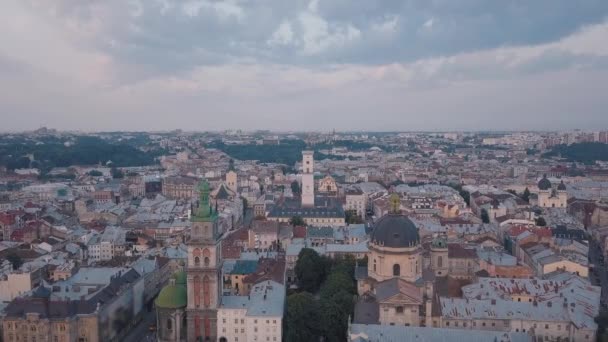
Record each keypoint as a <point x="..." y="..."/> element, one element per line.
<point x="203" y="270"/>
<point x="308" y="182"/>
<point x="232" y="181"/>
<point x="439" y="256"/>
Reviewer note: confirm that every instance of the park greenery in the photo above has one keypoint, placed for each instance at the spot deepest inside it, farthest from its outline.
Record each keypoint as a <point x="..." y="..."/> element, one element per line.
<point x="324" y="300"/>
<point x="82" y="150"/>
<point x="587" y="152"/>
<point x="287" y="152"/>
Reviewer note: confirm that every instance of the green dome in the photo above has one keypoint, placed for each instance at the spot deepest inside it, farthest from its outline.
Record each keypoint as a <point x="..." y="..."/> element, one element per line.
<point x="180" y="278"/>
<point x="172" y="297"/>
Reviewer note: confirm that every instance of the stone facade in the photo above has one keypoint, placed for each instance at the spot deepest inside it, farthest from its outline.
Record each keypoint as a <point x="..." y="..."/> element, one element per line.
<point x="308" y="185"/>
<point x="203" y="271"/>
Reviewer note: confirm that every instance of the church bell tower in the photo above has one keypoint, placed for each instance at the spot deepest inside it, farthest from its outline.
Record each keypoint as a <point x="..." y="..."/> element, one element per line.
<point x="203" y="270"/>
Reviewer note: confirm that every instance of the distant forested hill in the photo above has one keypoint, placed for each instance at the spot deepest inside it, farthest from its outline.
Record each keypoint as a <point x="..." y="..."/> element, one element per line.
<point x="81" y="150"/>
<point x="581" y="152"/>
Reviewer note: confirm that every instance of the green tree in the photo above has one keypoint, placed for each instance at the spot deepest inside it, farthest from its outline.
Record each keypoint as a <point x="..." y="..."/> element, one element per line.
<point x="302" y="320"/>
<point x="602" y="324"/>
<point x="466" y="196"/>
<point x="15" y="260"/>
<point x="95" y="173"/>
<point x="352" y="217"/>
<point x="338" y="280"/>
<point x="541" y="222"/>
<point x="297" y="221"/>
<point x="231" y="165"/>
<point x="117" y="174"/>
<point x="310" y="270"/>
<point x="337" y="300"/>
<point x="295" y="188"/>
<point x="526" y="195"/>
<point x="485" y="218"/>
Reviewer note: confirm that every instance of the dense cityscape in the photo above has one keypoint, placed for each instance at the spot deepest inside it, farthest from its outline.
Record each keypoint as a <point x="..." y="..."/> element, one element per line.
<point x="303" y="236"/>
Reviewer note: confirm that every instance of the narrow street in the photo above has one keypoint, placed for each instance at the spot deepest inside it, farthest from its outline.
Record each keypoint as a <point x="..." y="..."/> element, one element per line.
<point x="141" y="332"/>
<point x="599" y="276"/>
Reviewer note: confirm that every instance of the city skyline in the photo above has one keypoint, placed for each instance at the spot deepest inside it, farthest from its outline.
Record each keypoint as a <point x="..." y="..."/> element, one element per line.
<point x="311" y="65"/>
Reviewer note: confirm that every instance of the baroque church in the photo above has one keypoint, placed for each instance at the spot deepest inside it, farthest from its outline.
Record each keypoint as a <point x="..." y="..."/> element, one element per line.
<point x="550" y="196"/>
<point x="187" y="307"/>
<point x="396" y="288"/>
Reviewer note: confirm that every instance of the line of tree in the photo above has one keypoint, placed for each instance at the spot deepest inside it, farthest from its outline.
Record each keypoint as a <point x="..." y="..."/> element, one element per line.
<point x="463" y="193"/>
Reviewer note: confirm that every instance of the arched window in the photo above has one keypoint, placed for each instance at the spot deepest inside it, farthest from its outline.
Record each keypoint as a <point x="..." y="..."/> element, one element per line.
<point x="374" y="265"/>
<point x="396" y="270"/>
<point x="207" y="255"/>
<point x="197" y="261"/>
<point x="169" y="324"/>
<point x="440" y="261"/>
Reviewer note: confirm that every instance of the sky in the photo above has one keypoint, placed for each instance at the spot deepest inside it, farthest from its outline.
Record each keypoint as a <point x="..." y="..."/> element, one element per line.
<point x="98" y="65"/>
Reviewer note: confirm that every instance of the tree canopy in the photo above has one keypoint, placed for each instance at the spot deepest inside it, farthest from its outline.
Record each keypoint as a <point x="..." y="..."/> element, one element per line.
<point x="302" y="319"/>
<point x="485" y="218"/>
<point x="335" y="303"/>
<point x="297" y="221"/>
<point x="587" y="152"/>
<point x="541" y="222"/>
<point x="84" y="150"/>
<point x="309" y="270"/>
<point x="15" y="260"/>
<point x="295" y="188"/>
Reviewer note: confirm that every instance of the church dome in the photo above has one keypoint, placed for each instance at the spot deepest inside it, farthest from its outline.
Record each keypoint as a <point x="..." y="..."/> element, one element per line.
<point x="174" y="295"/>
<point x="396" y="231"/>
<point x="561" y="186"/>
<point x="544" y="184"/>
<point x="180" y="278"/>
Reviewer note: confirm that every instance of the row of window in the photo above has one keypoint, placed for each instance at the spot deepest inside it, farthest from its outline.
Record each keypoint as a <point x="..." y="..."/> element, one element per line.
<point x="255" y="338"/>
<point x="236" y="321"/>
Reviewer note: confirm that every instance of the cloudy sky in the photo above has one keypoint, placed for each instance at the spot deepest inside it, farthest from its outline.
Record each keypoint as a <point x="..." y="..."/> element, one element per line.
<point x="303" y="64"/>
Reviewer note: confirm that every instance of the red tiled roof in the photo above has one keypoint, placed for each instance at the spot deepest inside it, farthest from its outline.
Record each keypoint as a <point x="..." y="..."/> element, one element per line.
<point x="299" y="232"/>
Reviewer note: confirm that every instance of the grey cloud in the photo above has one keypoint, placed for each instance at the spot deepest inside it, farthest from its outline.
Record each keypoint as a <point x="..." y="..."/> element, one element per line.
<point x="166" y="40"/>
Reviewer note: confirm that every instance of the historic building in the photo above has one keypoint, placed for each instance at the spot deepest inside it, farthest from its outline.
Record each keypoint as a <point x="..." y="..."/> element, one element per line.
<point x="308" y="182"/>
<point x="552" y="197"/>
<point x="203" y="270"/>
<point x="232" y="180"/>
<point x="314" y="210"/>
<point x="356" y="201"/>
<point x="179" y="187"/>
<point x="327" y="186"/>
<point x="392" y="288"/>
<point x="170" y="310"/>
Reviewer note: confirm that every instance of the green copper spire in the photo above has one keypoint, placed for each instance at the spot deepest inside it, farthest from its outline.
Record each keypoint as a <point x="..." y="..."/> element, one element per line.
<point x="204" y="211"/>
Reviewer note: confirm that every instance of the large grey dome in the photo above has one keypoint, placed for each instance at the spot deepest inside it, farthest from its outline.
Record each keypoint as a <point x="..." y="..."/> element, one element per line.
<point x="544" y="183"/>
<point x="395" y="231"/>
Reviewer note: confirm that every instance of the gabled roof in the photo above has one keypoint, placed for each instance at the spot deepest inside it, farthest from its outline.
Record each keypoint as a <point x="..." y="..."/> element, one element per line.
<point x="399" y="289"/>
